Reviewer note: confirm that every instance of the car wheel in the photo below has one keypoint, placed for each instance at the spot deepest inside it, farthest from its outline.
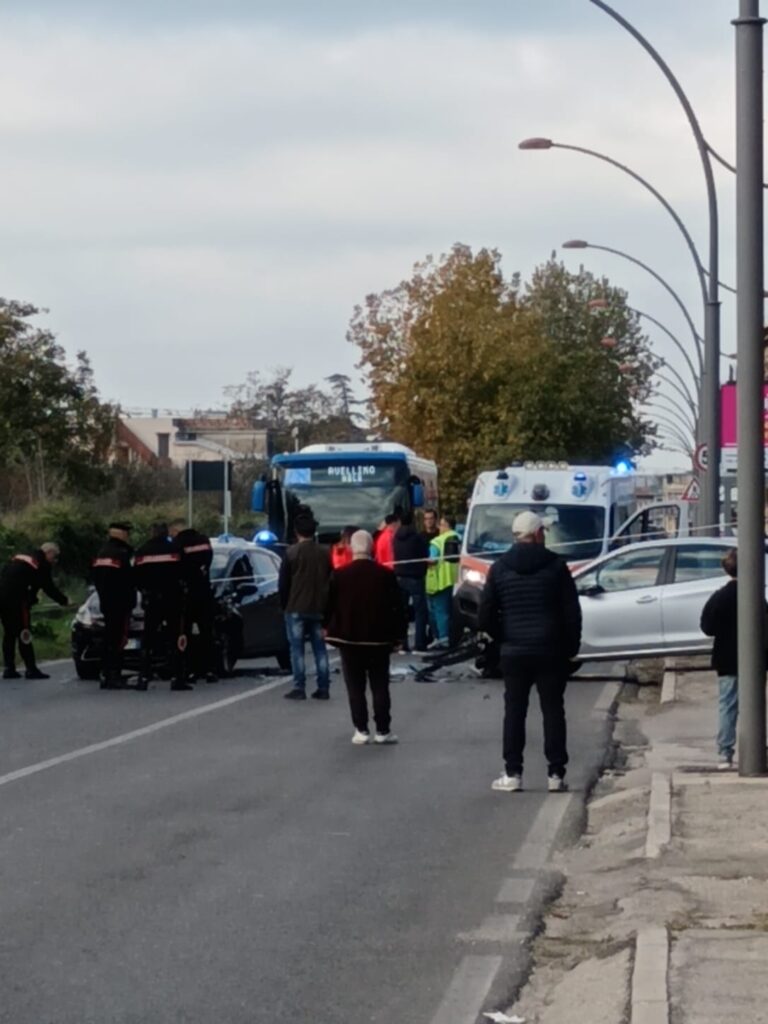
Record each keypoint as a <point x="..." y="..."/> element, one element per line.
<point x="284" y="660"/>
<point x="87" y="669"/>
<point x="228" y="653"/>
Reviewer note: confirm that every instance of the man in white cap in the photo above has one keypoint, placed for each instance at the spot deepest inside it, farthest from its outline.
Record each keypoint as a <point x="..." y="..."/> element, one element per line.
<point x="531" y="607"/>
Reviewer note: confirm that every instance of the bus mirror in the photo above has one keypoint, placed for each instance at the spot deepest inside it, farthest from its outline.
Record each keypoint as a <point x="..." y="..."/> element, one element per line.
<point x="259" y="496"/>
<point x="417" y="495"/>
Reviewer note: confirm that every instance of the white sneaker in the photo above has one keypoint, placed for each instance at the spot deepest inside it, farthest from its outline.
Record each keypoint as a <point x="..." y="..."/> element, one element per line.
<point x="724" y="763"/>
<point x="555" y="784"/>
<point x="508" y="783"/>
<point x="360" y="738"/>
<point x="437" y="645"/>
<point x="385" y="737"/>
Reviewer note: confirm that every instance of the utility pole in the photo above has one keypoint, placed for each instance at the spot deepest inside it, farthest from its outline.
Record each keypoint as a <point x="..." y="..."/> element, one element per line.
<point x="751" y="464"/>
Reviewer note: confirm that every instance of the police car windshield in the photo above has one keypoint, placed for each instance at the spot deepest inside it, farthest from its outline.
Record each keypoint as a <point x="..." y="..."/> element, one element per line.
<point x="219" y="564"/>
<point x="574" y="531"/>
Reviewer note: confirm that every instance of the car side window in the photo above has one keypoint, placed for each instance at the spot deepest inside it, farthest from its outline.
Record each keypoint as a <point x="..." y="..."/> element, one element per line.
<point x="699" y="563"/>
<point x="264" y="568"/>
<point x="630" y="570"/>
<point x="241" y="570"/>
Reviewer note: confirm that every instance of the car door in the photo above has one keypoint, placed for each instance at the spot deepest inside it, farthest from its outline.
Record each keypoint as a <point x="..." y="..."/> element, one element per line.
<point x="247" y="599"/>
<point x="654" y="522"/>
<point x="695" y="573"/>
<point x="621" y="603"/>
<point x="269" y="629"/>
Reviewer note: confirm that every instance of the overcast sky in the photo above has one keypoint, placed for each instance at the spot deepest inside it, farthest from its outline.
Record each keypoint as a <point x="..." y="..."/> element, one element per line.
<point x="199" y="188"/>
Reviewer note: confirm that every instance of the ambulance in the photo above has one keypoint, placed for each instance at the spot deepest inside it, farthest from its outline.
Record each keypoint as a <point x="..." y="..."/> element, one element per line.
<point x="587" y="511"/>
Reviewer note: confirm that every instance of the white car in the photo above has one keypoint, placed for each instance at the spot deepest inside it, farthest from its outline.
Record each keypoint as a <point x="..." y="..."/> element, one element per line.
<point x="646" y="599"/>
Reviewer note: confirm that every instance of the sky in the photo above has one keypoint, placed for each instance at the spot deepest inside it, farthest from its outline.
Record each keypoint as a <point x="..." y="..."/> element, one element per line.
<point x="195" y="189"/>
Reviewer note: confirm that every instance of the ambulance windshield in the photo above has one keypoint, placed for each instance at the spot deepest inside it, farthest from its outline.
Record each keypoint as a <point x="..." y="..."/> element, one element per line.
<point x="574" y="531"/>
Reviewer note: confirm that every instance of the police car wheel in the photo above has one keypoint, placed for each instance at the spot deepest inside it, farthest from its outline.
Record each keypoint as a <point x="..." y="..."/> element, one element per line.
<point x="87" y="670"/>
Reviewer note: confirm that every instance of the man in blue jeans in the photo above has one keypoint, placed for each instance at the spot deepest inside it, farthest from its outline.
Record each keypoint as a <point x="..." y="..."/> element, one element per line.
<point x="719" y="620"/>
<point x="305" y="575"/>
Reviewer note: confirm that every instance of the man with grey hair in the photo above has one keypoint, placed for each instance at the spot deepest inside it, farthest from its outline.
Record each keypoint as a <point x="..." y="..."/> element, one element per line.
<point x="20" y="581"/>
<point x="365" y="620"/>
<point x="531" y="607"/>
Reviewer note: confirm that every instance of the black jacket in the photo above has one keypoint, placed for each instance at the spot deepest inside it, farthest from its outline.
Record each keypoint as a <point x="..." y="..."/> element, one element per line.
<point x="719" y="619"/>
<point x="305" y="573"/>
<point x="530" y="605"/>
<point x="365" y="606"/>
<point x="196" y="557"/>
<point x="23" y="576"/>
<point x="112" y="575"/>
<point x="157" y="568"/>
<point x="412" y="548"/>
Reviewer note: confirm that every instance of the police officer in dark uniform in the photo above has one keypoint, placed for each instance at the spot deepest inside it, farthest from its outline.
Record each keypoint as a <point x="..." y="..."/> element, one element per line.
<point x="196" y="557"/>
<point x="112" y="575"/>
<point x="157" y="565"/>
<point x="20" y="580"/>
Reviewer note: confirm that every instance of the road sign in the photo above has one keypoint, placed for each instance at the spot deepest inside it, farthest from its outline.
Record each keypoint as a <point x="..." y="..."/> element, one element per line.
<point x="701" y="458"/>
<point x="692" y="492"/>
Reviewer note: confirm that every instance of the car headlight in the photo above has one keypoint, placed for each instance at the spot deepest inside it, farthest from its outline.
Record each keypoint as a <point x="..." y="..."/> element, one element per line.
<point x="473" y="576"/>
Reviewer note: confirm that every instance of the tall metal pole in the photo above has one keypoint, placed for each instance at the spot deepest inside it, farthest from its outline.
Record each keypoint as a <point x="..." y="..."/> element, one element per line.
<point x="749" y="313"/>
<point x="710" y="384"/>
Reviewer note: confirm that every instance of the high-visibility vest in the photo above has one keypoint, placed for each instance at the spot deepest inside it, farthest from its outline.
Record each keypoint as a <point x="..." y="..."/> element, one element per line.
<point x="444" y="573"/>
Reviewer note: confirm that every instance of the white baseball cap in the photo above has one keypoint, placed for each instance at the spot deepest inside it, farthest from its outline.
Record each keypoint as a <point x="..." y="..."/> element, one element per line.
<point x="527" y="524"/>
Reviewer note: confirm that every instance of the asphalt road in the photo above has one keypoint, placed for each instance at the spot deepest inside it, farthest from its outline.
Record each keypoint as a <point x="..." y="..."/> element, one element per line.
<point x="228" y="857"/>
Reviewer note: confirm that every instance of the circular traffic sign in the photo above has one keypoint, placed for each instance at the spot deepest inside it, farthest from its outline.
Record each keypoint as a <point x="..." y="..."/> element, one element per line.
<point x="701" y="457"/>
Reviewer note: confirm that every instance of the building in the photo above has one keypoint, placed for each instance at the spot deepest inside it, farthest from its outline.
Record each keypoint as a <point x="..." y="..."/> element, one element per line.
<point x="173" y="440"/>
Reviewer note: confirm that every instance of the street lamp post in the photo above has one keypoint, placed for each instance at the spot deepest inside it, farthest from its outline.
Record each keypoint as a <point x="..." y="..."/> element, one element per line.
<point x="710" y="393"/>
<point x="751" y="466"/>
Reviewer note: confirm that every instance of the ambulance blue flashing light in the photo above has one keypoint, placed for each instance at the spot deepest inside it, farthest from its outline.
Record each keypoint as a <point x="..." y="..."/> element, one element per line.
<point x="622" y="467"/>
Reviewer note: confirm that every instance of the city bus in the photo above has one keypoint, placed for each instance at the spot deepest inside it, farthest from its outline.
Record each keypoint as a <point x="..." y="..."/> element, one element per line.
<point x="344" y="485"/>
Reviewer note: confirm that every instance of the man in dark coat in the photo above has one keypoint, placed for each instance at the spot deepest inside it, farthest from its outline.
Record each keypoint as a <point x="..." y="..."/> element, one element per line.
<point x="530" y="605"/>
<point x="20" y="581"/>
<point x="196" y="558"/>
<point x="411" y="553"/>
<point x="157" y="565"/>
<point x="305" y="573"/>
<point x="365" y="621"/>
<point x="112" y="575"/>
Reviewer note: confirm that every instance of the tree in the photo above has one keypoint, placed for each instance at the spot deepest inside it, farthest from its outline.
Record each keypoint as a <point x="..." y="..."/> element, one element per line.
<point x="55" y="432"/>
<point x="305" y="415"/>
<point x="473" y="372"/>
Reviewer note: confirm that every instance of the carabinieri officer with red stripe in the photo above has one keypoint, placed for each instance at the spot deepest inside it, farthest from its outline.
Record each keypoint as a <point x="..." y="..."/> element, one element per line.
<point x="157" y="566"/>
<point x="112" y="575"/>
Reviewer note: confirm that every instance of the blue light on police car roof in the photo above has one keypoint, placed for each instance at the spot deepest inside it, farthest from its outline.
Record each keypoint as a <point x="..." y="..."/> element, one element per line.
<point x="265" y="538"/>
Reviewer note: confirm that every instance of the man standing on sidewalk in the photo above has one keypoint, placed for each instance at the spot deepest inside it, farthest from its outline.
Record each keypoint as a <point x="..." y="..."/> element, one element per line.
<point x="531" y="607"/>
<point x="305" y="574"/>
<point x="365" y="621"/>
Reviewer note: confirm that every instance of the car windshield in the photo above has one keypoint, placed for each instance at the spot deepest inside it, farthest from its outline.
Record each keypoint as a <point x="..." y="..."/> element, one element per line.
<point x="574" y="531"/>
<point x="219" y="564"/>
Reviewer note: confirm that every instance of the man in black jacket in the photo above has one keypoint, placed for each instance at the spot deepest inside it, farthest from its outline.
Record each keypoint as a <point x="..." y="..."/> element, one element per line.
<point x="199" y="608"/>
<point x="411" y="553"/>
<point x="158" y="576"/>
<point x="20" y="581"/>
<point x="530" y="605"/>
<point x="305" y="575"/>
<point x="112" y="575"/>
<point x="719" y="620"/>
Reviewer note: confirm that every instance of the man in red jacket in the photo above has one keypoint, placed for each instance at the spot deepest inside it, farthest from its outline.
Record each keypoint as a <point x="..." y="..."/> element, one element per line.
<point x="365" y="620"/>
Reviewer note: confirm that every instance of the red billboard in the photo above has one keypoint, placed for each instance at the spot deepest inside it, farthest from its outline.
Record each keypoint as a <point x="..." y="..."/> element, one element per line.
<point x="729" y="430"/>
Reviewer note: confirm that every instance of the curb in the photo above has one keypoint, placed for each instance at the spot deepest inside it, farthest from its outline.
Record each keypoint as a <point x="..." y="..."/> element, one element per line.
<point x="650" y="1000"/>
<point x="659" y="815"/>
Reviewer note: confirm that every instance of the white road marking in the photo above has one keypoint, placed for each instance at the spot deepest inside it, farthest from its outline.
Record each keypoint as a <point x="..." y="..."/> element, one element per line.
<point x="516" y="890"/>
<point x="606" y="698"/>
<point x="494" y="928"/>
<point x="468" y="990"/>
<point x="534" y="851"/>
<point x="147" y="730"/>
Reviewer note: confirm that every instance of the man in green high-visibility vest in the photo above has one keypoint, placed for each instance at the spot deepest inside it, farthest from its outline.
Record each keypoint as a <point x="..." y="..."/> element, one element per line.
<point x="442" y="575"/>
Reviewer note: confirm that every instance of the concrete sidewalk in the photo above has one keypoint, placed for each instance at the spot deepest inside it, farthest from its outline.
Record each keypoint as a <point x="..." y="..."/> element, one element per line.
<point x="663" y="910"/>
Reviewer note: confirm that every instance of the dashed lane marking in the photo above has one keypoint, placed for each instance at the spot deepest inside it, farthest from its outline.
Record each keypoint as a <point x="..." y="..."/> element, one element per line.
<point x="468" y="990"/>
<point x="534" y="851"/>
<point x="516" y="890"/>
<point x="127" y="737"/>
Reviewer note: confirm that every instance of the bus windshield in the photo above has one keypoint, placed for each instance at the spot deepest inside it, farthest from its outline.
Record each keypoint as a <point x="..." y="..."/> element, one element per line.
<point x="347" y="494"/>
<point x="574" y="531"/>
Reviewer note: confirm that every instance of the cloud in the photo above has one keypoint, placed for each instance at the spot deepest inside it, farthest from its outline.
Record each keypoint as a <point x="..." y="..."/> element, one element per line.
<point x="199" y="195"/>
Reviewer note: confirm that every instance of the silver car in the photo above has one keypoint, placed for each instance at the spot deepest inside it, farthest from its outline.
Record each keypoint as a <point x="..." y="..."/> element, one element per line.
<point x="646" y="599"/>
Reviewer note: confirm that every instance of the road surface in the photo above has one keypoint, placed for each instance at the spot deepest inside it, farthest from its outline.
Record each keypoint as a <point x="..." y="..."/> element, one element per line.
<point x="228" y="857"/>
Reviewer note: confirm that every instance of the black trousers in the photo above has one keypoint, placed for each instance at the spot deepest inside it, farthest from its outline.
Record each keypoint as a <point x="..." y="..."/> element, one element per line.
<point x="361" y="666"/>
<point x="549" y="676"/>
<point x="199" y="609"/>
<point x="15" y="619"/>
<point x="116" y="621"/>
<point x="163" y="625"/>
